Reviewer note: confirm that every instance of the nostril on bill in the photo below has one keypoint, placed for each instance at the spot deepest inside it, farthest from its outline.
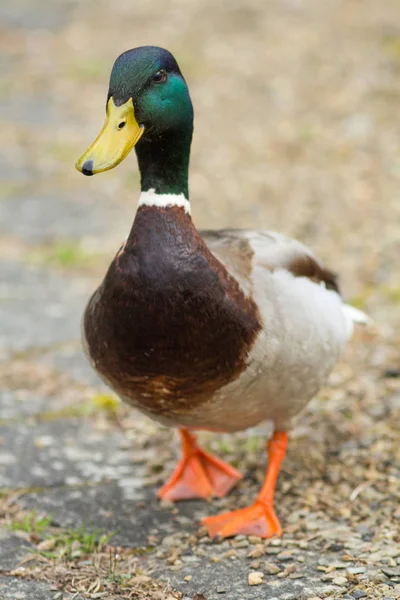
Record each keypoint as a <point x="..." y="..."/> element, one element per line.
<point x="87" y="167"/>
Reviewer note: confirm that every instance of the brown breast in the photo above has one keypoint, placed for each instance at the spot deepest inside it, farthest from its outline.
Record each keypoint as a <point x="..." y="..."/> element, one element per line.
<point x="169" y="326"/>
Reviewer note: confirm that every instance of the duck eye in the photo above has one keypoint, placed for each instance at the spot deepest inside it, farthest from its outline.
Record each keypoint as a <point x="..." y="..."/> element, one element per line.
<point x="121" y="125"/>
<point x="160" y="76"/>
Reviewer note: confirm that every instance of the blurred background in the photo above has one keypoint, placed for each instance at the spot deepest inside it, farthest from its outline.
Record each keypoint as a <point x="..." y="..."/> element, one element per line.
<point x="297" y="129"/>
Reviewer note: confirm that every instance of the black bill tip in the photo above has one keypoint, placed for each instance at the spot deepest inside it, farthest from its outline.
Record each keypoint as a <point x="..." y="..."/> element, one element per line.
<point x="87" y="167"/>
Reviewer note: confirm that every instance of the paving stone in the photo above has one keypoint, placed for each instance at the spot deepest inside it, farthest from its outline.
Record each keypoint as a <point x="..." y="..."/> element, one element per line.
<point x="25" y="291"/>
<point x="63" y="452"/>
<point x="12" y="550"/>
<point x="83" y="476"/>
<point x="125" y="508"/>
<point x="233" y="577"/>
<point x="12" y="588"/>
<point x="15" y="407"/>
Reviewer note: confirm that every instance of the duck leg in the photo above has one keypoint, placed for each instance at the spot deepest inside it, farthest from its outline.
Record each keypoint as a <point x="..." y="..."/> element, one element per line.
<point x="198" y="473"/>
<point x="259" y="518"/>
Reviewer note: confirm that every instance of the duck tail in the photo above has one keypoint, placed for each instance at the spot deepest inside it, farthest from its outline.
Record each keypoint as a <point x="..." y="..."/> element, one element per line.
<point x="354" y="316"/>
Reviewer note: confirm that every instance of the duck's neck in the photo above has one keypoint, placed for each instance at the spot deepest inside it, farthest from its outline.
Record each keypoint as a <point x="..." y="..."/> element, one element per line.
<point x="164" y="166"/>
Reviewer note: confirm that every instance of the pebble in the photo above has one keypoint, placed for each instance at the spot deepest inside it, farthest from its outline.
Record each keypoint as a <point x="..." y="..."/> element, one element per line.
<point x="190" y="558"/>
<point x="270" y="550"/>
<point x="323" y="562"/>
<point x="276" y="542"/>
<point x="356" y="570"/>
<point x="256" y="552"/>
<point x="255" y="564"/>
<point x="202" y="531"/>
<point x="254" y="539"/>
<point x="329" y="576"/>
<point x="288" y="571"/>
<point x="171" y="559"/>
<point x="359" y="594"/>
<point x="335" y="547"/>
<point x="375" y="557"/>
<point x="285" y="555"/>
<point x="340" y="581"/>
<point x="348" y="558"/>
<point x="255" y="578"/>
<point x="391" y="572"/>
<point x="271" y="568"/>
<point x="241" y="544"/>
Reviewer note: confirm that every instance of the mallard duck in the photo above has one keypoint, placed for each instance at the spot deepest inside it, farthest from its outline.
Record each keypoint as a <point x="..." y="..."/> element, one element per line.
<point x="214" y="330"/>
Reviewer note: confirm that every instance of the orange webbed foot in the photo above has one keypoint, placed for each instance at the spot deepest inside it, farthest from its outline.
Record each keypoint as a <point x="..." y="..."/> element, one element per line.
<point x="198" y="474"/>
<point x="257" y="519"/>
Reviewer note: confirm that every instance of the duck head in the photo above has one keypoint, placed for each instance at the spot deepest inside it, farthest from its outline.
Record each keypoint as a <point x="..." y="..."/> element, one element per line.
<point x="148" y="106"/>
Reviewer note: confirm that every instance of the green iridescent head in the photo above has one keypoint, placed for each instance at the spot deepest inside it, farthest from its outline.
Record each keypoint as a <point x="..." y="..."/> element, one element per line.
<point x="151" y="77"/>
<point x="148" y="106"/>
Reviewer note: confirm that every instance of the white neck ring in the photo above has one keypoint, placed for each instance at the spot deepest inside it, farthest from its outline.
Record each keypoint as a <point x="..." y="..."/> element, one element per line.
<point x="150" y="198"/>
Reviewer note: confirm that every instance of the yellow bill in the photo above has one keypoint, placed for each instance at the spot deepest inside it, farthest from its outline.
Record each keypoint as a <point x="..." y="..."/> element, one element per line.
<point x="119" y="135"/>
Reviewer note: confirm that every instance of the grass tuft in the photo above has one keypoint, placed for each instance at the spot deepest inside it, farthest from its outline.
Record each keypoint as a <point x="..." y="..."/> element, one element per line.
<point x="31" y="523"/>
<point x="75" y="543"/>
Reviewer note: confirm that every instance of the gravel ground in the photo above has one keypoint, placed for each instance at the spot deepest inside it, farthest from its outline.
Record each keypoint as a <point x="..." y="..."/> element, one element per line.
<point x="297" y="130"/>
